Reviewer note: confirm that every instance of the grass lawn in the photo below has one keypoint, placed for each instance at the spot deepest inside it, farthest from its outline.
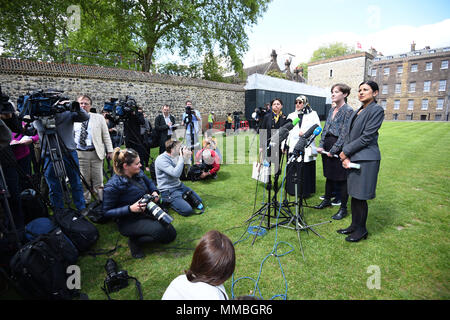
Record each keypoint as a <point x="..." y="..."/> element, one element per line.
<point x="408" y="227"/>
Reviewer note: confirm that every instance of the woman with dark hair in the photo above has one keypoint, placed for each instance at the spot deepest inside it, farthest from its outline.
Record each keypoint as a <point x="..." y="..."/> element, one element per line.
<point x="361" y="147"/>
<point x="302" y="173"/>
<point x="121" y="201"/>
<point x="331" y="142"/>
<point x="212" y="264"/>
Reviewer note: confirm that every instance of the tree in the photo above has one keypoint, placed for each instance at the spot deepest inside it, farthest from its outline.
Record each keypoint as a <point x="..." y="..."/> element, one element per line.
<point x="331" y="50"/>
<point x="133" y="29"/>
<point x="276" y="74"/>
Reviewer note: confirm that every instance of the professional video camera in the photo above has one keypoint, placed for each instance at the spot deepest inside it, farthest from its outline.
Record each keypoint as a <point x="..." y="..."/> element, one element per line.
<point x="45" y="103"/>
<point x="120" y="109"/>
<point x="153" y="209"/>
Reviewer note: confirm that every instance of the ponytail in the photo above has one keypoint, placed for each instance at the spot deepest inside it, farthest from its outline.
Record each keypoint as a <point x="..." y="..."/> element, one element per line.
<point x="122" y="156"/>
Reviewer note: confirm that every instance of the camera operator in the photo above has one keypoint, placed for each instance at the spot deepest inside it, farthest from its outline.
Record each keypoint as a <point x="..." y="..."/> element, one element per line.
<point x="191" y="119"/>
<point x="210" y="161"/>
<point x="132" y="128"/>
<point x="113" y="132"/>
<point x="169" y="167"/>
<point x="122" y="201"/>
<point x="10" y="123"/>
<point x="92" y="139"/>
<point x="64" y="122"/>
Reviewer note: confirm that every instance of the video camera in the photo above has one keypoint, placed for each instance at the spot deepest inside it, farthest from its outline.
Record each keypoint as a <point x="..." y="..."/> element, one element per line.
<point x="153" y="209"/>
<point x="45" y="103"/>
<point x="120" y="109"/>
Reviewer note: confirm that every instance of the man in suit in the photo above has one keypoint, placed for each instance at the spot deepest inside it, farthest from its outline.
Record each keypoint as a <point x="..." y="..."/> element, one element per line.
<point x="92" y="139"/>
<point x="164" y="126"/>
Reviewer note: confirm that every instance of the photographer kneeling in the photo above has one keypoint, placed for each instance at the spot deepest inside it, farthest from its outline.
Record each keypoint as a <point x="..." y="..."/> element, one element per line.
<point x="169" y="167"/>
<point x="126" y="198"/>
<point x="209" y="162"/>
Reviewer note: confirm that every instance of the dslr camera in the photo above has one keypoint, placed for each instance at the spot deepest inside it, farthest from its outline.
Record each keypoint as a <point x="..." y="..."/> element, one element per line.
<point x="154" y="210"/>
<point x="115" y="280"/>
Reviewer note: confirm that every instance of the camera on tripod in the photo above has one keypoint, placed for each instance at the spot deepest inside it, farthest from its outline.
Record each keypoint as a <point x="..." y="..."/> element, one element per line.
<point x="45" y="103"/>
<point x="120" y="109"/>
<point x="154" y="210"/>
<point x="115" y="280"/>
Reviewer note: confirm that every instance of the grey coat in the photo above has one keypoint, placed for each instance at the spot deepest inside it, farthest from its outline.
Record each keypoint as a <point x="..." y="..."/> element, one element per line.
<point x="361" y="146"/>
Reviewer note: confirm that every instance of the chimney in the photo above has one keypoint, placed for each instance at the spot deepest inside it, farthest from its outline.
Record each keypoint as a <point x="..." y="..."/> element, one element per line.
<point x="373" y="51"/>
<point x="427" y="48"/>
<point x="413" y="46"/>
<point x="274" y="56"/>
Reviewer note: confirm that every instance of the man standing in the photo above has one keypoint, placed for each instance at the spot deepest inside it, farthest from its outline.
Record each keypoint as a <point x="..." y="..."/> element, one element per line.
<point x="211" y="120"/>
<point x="192" y="120"/>
<point x="164" y="127"/>
<point x="92" y="139"/>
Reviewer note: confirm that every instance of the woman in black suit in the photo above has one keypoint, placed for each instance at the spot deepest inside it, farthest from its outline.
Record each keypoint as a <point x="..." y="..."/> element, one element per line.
<point x="361" y="147"/>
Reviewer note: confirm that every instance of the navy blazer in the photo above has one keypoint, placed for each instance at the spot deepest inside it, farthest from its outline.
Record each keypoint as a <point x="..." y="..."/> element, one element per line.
<point x="361" y="142"/>
<point x="120" y="192"/>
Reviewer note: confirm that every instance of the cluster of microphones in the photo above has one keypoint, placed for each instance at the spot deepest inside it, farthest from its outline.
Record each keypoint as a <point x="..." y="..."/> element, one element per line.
<point x="305" y="140"/>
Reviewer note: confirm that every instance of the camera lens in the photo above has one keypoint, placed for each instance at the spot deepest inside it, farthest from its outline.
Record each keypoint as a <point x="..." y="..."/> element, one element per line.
<point x="159" y="213"/>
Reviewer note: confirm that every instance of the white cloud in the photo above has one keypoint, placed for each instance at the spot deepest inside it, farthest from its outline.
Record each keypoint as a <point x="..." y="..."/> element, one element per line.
<point x="389" y="41"/>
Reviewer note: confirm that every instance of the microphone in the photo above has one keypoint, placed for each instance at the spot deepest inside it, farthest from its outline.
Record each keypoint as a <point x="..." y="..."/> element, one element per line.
<point x="283" y="132"/>
<point x="305" y="141"/>
<point x="351" y="165"/>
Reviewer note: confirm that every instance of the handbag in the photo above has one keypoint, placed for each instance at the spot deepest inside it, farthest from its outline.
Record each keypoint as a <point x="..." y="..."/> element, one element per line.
<point x="261" y="171"/>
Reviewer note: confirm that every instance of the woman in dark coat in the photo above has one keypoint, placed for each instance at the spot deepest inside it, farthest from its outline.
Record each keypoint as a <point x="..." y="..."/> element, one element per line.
<point x="121" y="201"/>
<point x="331" y="142"/>
<point x="361" y="147"/>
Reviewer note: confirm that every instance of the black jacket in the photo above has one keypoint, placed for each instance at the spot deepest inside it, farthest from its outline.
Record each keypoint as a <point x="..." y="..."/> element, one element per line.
<point x="162" y="128"/>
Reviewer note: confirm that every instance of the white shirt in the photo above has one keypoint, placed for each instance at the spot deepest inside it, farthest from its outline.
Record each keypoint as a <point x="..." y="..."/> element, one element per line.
<point x="308" y="121"/>
<point x="77" y="131"/>
<point x="182" y="289"/>
<point x="167" y="119"/>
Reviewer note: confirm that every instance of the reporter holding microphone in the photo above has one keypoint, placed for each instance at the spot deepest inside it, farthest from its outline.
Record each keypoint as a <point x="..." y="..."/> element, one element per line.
<point x="361" y="147"/>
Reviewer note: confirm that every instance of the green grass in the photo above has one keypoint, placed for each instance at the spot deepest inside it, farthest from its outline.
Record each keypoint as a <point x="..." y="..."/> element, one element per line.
<point x="408" y="227"/>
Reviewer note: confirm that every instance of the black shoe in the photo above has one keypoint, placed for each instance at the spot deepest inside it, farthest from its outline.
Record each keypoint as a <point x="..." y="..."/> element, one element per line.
<point x="336" y="202"/>
<point x="325" y="203"/>
<point x="356" y="237"/>
<point x="136" y="251"/>
<point x="348" y="230"/>
<point x="342" y="213"/>
<point x="322" y="197"/>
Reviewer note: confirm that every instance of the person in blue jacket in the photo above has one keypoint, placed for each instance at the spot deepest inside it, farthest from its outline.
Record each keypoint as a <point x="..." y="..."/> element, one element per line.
<point x="121" y="201"/>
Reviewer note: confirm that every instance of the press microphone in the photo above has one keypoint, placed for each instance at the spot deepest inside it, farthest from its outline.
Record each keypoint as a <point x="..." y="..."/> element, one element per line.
<point x="283" y="132"/>
<point x="303" y="142"/>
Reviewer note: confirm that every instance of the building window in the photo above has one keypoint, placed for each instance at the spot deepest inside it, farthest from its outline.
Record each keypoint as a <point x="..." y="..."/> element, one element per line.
<point x="398" y="88"/>
<point x="442" y="85"/>
<point x="438" y="117"/>
<point x="385" y="89"/>
<point x="399" y="69"/>
<point x="412" y="87"/>
<point x="396" y="104"/>
<point x="425" y="104"/>
<point x="440" y="104"/>
<point x="414" y="67"/>
<point x="426" y="86"/>
<point x="410" y="104"/>
<point x="383" y="104"/>
<point x="409" y="117"/>
<point x="444" y="64"/>
<point x="374" y="72"/>
<point x="395" y="116"/>
<point x="429" y="66"/>
<point x="387" y="71"/>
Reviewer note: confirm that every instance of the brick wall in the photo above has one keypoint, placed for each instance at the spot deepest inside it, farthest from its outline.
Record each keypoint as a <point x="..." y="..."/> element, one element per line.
<point x="151" y="91"/>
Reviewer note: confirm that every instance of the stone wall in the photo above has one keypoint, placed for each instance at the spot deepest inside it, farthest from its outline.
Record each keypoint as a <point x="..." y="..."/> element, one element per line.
<point x="151" y="91"/>
<point x="351" y="70"/>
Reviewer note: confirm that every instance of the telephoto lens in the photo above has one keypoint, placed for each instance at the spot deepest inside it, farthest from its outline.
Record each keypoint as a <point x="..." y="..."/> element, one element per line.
<point x="159" y="213"/>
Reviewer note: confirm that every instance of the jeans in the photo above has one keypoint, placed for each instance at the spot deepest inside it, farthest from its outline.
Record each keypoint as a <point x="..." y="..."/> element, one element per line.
<point x="56" y="194"/>
<point x="175" y="200"/>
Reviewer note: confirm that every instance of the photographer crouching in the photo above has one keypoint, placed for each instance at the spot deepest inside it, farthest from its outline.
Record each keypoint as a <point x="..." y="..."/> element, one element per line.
<point x="130" y="197"/>
<point x="169" y="167"/>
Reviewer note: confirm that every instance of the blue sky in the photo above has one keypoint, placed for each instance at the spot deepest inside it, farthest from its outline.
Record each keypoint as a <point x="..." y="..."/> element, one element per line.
<point x="299" y="27"/>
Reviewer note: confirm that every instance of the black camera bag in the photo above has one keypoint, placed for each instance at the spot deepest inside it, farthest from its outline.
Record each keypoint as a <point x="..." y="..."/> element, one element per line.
<point x="39" y="269"/>
<point x="77" y="228"/>
<point x="95" y="212"/>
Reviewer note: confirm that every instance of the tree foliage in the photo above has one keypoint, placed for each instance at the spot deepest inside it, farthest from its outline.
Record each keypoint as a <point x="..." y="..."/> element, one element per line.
<point x="130" y="29"/>
<point x="331" y="50"/>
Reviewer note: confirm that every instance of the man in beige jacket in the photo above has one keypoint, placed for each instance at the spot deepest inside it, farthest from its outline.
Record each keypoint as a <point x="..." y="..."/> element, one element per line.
<point x="93" y="143"/>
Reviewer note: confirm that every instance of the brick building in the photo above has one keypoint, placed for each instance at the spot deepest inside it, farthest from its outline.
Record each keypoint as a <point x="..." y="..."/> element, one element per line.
<point x="414" y="85"/>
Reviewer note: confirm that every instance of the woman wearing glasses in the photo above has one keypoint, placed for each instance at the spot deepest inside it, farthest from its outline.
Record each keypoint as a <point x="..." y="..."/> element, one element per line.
<point x="121" y="201"/>
<point x="304" y="176"/>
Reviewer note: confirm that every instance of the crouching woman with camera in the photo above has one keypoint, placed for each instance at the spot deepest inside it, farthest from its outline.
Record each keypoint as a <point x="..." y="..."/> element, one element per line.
<point x="126" y="198"/>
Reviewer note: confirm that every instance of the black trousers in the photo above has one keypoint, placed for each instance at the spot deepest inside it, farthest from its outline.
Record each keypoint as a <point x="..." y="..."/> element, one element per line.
<point x="143" y="229"/>
<point x="359" y="215"/>
<point x="341" y="187"/>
